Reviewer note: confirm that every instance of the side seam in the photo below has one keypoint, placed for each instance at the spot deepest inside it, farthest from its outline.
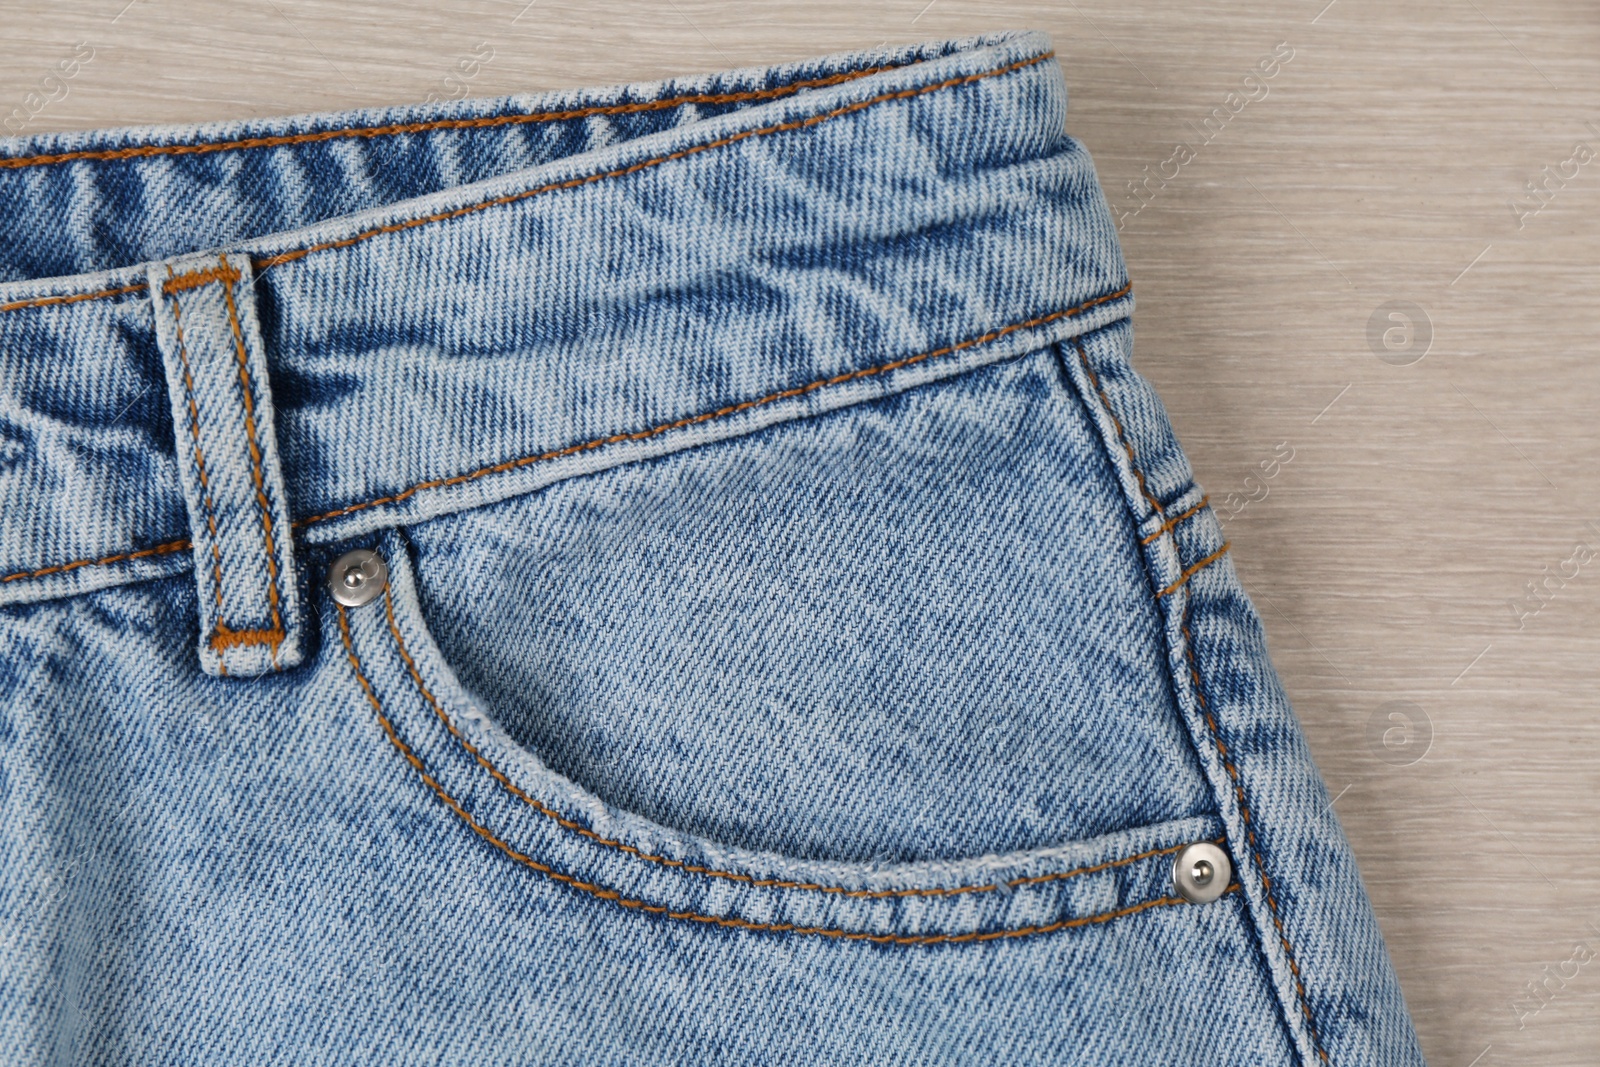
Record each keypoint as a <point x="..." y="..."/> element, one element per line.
<point x="1250" y="845"/>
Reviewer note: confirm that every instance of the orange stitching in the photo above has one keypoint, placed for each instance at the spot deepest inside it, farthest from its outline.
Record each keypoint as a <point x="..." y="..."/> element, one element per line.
<point x="732" y="409"/>
<point x="71" y="298"/>
<point x="1173" y="522"/>
<point x="285" y="257"/>
<point x="199" y="459"/>
<point x="1211" y="722"/>
<point x="224" y="638"/>
<point x="121" y="557"/>
<point x="262" y="504"/>
<point x="1122" y="436"/>
<point x="1255" y="849"/>
<point x="640" y="435"/>
<point x="195" y="279"/>
<point x="1192" y="570"/>
<point x="764" y="883"/>
<point x="689" y="916"/>
<point x="406" y="224"/>
<point x="276" y="141"/>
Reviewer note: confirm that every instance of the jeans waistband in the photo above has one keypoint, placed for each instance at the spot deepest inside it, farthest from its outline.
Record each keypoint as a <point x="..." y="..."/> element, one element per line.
<point x="516" y="292"/>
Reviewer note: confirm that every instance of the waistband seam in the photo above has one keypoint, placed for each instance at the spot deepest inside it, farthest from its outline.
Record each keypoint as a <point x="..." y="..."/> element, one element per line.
<point x="73" y="298"/>
<point x="722" y="412"/>
<point x="276" y="259"/>
<point x="139" y="151"/>
<point x="637" y="435"/>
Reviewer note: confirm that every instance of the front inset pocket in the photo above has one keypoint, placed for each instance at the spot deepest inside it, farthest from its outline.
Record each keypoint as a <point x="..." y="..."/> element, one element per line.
<point x="558" y="831"/>
<point x="915" y="629"/>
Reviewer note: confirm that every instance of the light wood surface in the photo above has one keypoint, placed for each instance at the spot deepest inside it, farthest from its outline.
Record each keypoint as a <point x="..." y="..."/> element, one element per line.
<point x="1380" y="163"/>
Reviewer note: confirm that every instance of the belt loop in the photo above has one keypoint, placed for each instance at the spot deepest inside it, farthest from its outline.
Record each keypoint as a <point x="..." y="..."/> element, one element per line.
<point x="250" y="612"/>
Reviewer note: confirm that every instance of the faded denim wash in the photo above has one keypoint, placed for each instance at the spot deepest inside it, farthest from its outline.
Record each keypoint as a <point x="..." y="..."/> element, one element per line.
<point x="803" y="640"/>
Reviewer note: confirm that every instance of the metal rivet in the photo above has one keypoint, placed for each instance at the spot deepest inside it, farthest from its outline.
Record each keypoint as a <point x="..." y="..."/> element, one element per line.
<point x="356" y="577"/>
<point x="1201" y="873"/>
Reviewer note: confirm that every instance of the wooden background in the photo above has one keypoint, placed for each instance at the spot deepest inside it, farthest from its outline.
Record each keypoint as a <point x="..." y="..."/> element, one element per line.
<point x="1431" y="547"/>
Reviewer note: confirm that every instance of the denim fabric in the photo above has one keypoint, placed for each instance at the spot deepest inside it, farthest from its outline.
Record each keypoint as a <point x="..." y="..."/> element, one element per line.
<point x="803" y="640"/>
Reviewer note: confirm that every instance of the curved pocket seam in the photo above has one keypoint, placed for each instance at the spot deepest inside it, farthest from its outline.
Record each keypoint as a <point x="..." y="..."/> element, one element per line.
<point x="615" y="897"/>
<point x="712" y="872"/>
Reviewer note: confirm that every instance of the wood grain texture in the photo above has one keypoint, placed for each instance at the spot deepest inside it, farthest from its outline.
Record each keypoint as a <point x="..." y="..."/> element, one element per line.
<point x="1380" y="164"/>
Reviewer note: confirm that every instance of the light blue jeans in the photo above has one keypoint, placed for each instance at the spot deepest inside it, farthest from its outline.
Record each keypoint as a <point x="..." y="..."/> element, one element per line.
<point x="789" y="631"/>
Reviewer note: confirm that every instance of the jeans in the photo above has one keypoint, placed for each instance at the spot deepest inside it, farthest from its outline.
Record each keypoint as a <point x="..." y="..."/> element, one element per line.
<point x="678" y="573"/>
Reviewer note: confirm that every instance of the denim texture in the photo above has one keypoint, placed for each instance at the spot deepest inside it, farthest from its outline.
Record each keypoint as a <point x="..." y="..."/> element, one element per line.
<point x="803" y="638"/>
